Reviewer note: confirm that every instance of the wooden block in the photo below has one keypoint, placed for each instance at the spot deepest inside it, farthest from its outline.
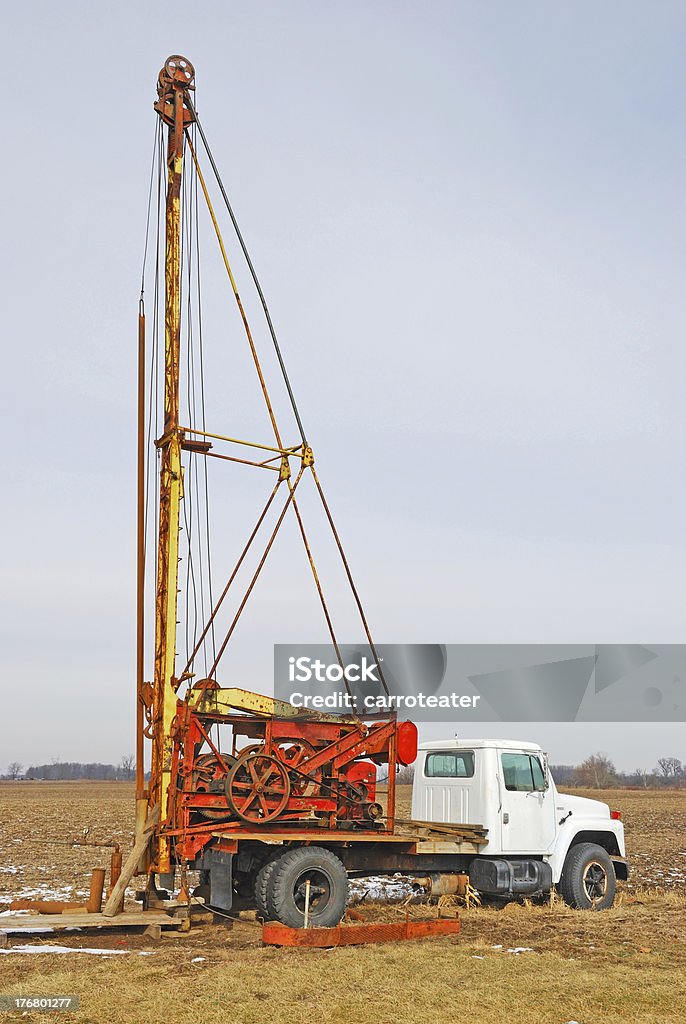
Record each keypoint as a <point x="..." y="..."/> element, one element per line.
<point x="154" y="932"/>
<point x="60" y="922"/>
<point x="4" y="940"/>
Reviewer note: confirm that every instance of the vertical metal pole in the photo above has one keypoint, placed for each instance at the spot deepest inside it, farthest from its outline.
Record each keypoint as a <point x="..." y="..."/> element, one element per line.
<point x="308" y="889"/>
<point x="392" y="763"/>
<point x="164" y="701"/>
<point x="140" y="560"/>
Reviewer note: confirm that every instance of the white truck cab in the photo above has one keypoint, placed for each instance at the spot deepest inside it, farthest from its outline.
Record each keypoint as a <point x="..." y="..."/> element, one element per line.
<point x="537" y="837"/>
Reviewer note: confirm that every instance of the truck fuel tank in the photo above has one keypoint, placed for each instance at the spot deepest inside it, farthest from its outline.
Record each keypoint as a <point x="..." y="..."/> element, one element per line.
<point x="510" y="877"/>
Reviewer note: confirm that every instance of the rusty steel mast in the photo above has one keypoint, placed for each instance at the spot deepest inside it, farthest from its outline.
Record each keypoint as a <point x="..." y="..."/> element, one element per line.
<point x="175" y="79"/>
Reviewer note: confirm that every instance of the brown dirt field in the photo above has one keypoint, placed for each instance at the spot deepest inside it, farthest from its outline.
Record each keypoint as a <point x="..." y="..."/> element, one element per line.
<point x="627" y="964"/>
<point x="655" y="829"/>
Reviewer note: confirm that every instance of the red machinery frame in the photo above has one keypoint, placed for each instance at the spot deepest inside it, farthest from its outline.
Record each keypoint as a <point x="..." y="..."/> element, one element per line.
<point x="295" y="773"/>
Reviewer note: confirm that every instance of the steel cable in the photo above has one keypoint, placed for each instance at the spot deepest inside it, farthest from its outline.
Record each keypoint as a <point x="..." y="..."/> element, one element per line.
<point x="252" y="270"/>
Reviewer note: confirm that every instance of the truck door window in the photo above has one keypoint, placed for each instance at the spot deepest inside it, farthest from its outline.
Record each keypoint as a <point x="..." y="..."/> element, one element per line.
<point x="450" y="764"/>
<point x="518" y="772"/>
<point x="540" y="783"/>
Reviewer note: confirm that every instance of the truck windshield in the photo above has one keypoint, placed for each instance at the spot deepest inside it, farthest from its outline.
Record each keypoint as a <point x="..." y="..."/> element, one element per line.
<point x="450" y="764"/>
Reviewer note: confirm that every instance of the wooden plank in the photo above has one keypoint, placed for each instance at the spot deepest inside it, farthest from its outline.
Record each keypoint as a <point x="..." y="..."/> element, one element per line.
<point x="463" y="825"/>
<point x="60" y="922"/>
<point x="445" y="826"/>
<point x="115" y="900"/>
<point x="468" y="837"/>
<point x="445" y="845"/>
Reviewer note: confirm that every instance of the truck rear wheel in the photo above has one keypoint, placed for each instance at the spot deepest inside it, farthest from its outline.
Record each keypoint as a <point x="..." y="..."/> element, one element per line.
<point x="286" y="887"/>
<point x="588" y="879"/>
<point x="262" y="889"/>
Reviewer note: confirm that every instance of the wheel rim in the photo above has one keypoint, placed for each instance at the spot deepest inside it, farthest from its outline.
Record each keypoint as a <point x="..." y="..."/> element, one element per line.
<point x="321" y="891"/>
<point x="258" y="788"/>
<point x="595" y="882"/>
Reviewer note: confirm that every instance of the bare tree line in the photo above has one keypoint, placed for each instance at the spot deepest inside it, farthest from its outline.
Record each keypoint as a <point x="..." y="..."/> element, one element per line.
<point x="598" y="771"/>
<point x="57" y="771"/>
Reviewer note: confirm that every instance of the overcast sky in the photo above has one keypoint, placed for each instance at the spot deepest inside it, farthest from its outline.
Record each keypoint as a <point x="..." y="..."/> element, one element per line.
<point x="469" y="222"/>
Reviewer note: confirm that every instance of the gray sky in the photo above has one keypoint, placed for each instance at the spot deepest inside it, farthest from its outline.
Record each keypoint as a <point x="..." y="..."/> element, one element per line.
<point x="468" y="220"/>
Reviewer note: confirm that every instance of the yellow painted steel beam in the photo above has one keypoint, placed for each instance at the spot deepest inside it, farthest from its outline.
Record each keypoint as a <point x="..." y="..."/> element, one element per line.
<point x="171" y="493"/>
<point x="225" y="701"/>
<point x="294" y="450"/>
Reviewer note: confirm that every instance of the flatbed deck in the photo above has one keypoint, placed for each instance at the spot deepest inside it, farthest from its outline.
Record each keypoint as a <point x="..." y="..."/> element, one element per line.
<point x="417" y="837"/>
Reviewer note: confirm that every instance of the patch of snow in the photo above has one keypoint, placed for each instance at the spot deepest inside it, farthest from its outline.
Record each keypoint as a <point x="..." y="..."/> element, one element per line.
<point x="44" y="892"/>
<point x="75" y="949"/>
<point x="475" y="957"/>
<point x="198" y="959"/>
<point x="520" y="949"/>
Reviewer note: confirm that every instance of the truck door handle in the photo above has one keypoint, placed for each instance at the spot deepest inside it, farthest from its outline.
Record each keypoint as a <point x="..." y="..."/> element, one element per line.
<point x="506" y="818"/>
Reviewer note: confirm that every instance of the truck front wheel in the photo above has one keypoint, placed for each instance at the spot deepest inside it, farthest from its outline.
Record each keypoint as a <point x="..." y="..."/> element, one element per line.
<point x="287" y="888"/>
<point x="588" y="879"/>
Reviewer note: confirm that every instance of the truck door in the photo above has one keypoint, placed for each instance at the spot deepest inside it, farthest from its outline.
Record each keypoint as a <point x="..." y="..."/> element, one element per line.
<point x="447" y="787"/>
<point x="527" y="811"/>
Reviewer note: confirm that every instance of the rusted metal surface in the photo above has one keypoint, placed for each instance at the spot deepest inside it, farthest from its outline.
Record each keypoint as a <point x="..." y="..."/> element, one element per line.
<point x="48" y="906"/>
<point x="115" y="867"/>
<point x="92" y="906"/>
<point x="295" y="770"/>
<point x="140" y="563"/>
<point x="258" y="788"/>
<point x="274" y="934"/>
<point x="175" y="79"/>
<point x="320" y="836"/>
<point x="442" y="884"/>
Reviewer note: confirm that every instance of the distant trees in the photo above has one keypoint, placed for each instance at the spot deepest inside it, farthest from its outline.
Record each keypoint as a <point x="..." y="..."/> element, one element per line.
<point x="58" y="771"/>
<point x="405" y="776"/>
<point x="599" y="772"/>
<point x="564" y="774"/>
<point x="669" y="768"/>
<point x="596" y="772"/>
<point x="644" y="777"/>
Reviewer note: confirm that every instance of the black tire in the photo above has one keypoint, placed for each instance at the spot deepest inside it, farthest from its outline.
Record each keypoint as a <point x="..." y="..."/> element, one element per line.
<point x="588" y="879"/>
<point x="286" y="888"/>
<point x="262" y="886"/>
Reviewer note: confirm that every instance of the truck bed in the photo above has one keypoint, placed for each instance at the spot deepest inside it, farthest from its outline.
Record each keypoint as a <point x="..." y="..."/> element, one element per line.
<point x="410" y="837"/>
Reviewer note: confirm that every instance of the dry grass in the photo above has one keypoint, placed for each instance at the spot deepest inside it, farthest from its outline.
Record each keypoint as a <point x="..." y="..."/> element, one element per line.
<point x="627" y="964"/>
